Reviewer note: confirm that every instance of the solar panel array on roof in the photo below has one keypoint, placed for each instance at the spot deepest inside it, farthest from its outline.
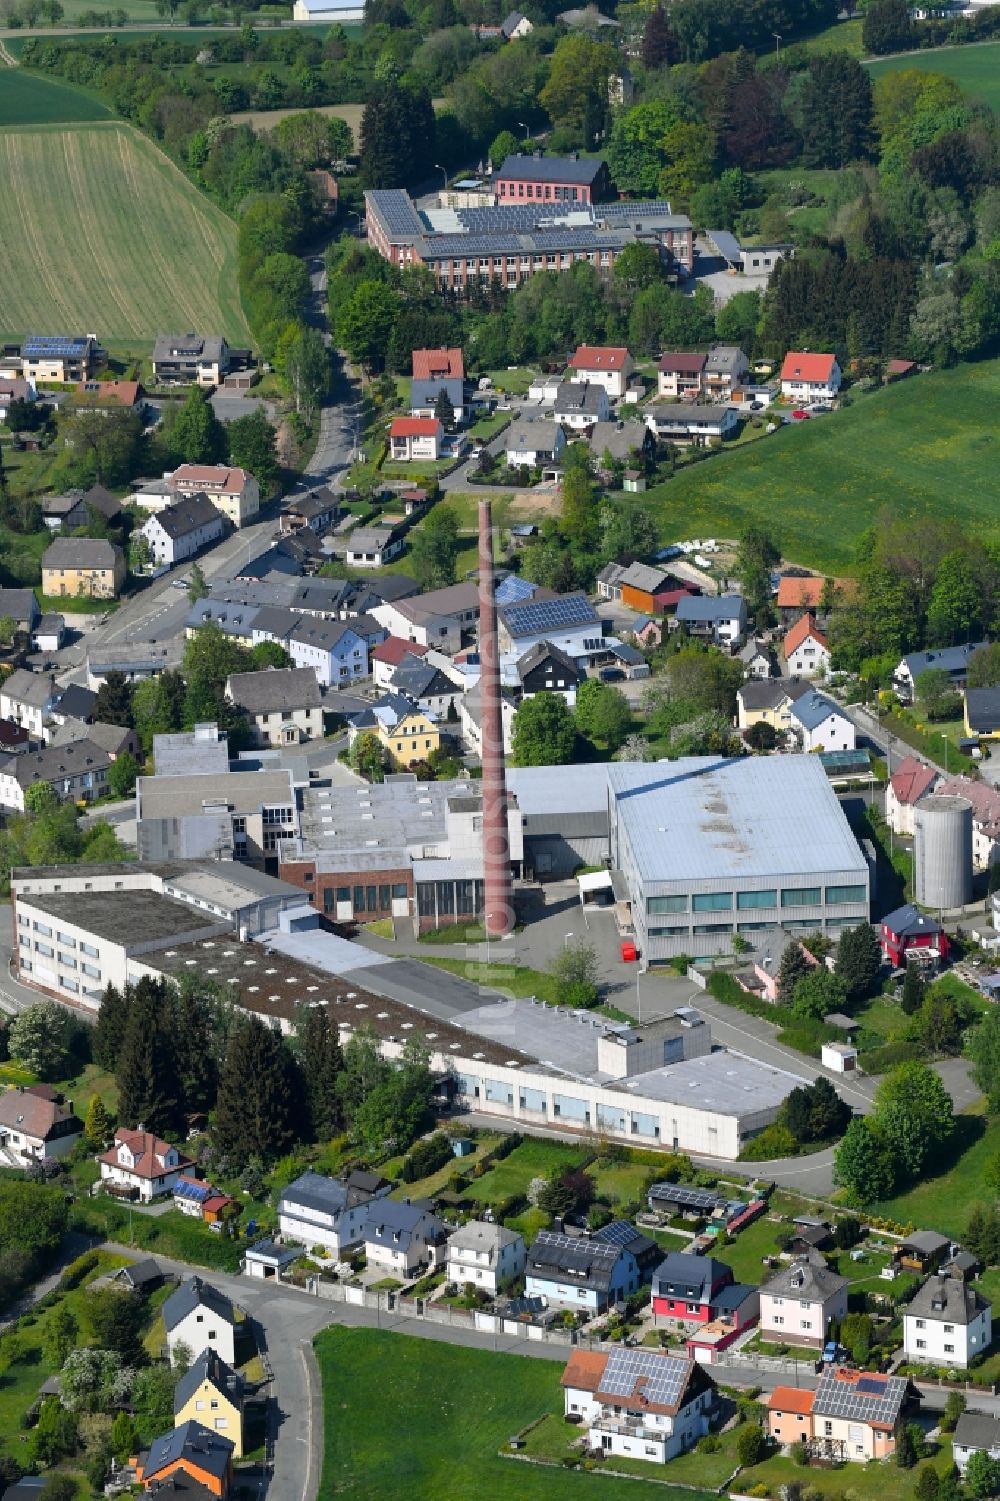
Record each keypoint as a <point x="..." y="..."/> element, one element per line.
<point x="618" y="1233"/>
<point x="53" y="345"/>
<point x="878" y="1401"/>
<point x="548" y="614"/>
<point x="662" y="1376"/>
<point x="571" y="1253"/>
<point x="395" y="209"/>
<point x="690" y="1198"/>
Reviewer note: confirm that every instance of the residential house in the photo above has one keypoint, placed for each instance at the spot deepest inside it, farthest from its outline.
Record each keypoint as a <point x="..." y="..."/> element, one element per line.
<point x="568" y="621"/>
<point x="580" y="404"/>
<point x="852" y="1415"/>
<point x="36" y="1126"/>
<point x="234" y="492"/>
<point x="412" y="438"/>
<point x="765" y="962"/>
<point x="284" y="707"/>
<point x="21" y="606"/>
<point x="624" y="1235"/>
<point x="198" y="1316"/>
<point x="759" y="660"/>
<point x="985" y="800"/>
<point x="143" y="1164"/>
<point x="798" y="594"/>
<point x="982" y="713"/>
<point x="684" y="1286"/>
<point x="336" y="650"/>
<point x="515" y="26"/>
<point x="401" y="1238"/>
<point x="543" y="668"/>
<point x="191" y="1459"/>
<point x="581" y="1273"/>
<point x="734" y="1309"/>
<point x="820" y="724"/>
<point x="387" y="656"/>
<point x="807" y="377"/>
<point x="14" y="389"/>
<point x="680" y="376"/>
<point x="13" y="739"/>
<point x="410" y="734"/>
<point x="58" y="358"/>
<point x="210" y="1392"/>
<point x="487" y="1255"/>
<point x="290" y="556"/>
<point x="180" y="530"/>
<point x="806" y="649"/>
<point x="607" y="367"/>
<point x="373" y="546"/>
<point x="947" y="1322"/>
<point x="533" y="444"/>
<point x="551" y="179"/>
<point x="329" y="1212"/>
<point x="907" y="935"/>
<point x="911" y="781"/>
<point x="648" y="632"/>
<point x="315" y="511"/>
<point x="431" y="683"/>
<point x="769" y="702"/>
<point x="190" y="1195"/>
<point x="801" y="1301"/>
<point x="640" y="1404"/>
<point x="619" y="441"/>
<point x="720" y="617"/>
<point x="190" y="359"/>
<point x="326" y="187"/>
<point x="975" y="1433"/>
<point x="49" y="633"/>
<point x="77" y="773"/>
<point x="434" y="371"/>
<point x="87" y="567"/>
<point x="697" y="426"/>
<point x="111" y="395"/>
<point x="470" y="718"/>
<point x="78" y="508"/>
<point x="725" y="369"/>
<point x="28" y="698"/>
<point x="954" y="660"/>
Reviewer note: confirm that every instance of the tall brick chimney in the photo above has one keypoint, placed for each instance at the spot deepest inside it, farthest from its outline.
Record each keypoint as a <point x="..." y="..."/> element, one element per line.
<point x="498" y="915"/>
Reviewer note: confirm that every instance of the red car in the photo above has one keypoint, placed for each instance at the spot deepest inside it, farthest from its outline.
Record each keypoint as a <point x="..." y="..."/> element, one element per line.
<point x="800" y="415"/>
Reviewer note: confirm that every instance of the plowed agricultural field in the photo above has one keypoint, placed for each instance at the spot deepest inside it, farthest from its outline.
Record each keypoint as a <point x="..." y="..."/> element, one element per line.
<point x="103" y="234"/>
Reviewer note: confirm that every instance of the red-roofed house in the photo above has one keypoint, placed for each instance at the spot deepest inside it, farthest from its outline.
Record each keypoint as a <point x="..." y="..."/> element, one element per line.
<point x="810" y="377"/>
<point x="438" y="364"/>
<point x="143" y="1163"/>
<point x="985" y="802"/>
<point x="415" y="438"/>
<point x="911" y="781"/>
<point x="386" y="657"/>
<point x="798" y="594"/>
<point x="680" y="375"/>
<point x="643" y="1404"/>
<point x="607" y="367"/>
<point x="806" y="649"/>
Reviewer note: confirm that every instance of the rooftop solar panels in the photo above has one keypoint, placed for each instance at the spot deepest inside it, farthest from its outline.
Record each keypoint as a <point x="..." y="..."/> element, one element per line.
<point x="869" y="1400"/>
<point x="658" y="1379"/>
<point x="548" y="614"/>
<point x="54" y="346"/>
<point x="395" y="210"/>
<point x="618" y="1233"/>
<point x="687" y="1198"/>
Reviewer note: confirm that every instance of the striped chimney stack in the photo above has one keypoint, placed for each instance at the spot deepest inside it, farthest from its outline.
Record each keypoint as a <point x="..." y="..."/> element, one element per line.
<point x="498" y="914"/>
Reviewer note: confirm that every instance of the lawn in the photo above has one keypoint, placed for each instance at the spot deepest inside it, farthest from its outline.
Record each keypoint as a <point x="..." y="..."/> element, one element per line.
<point x="554" y="1439"/>
<point x="976" y="68"/>
<point x="517" y="980"/>
<point x="28" y="100"/>
<point x="922" y="448"/>
<point x="944" y="1201"/>
<point x="451" y="1410"/>
<point x="73" y="193"/>
<point x="534" y="1158"/>
<point x="876" y="1481"/>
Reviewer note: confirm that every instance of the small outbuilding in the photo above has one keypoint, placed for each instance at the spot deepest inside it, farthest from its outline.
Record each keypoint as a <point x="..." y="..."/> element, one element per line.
<point x="839" y="1057"/>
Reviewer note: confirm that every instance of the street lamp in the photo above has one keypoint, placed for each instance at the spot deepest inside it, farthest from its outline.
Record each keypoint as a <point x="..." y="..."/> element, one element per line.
<point x="527" y="132"/>
<point x="777" y="44"/>
<point x="355" y="215"/>
<point x="444" y="176"/>
<point x="566" y="939"/>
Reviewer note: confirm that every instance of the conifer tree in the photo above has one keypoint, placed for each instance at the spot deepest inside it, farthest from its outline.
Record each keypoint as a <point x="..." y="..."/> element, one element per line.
<point x="322" y="1062"/>
<point x="197" y="1072"/>
<point x="147" y="1065"/>
<point x="794" y="967"/>
<point x="257" y="1112"/>
<point x="109" y="1029"/>
<point x="97" y="1126"/>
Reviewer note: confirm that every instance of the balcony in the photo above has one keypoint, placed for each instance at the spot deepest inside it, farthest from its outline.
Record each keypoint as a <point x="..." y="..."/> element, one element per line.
<point x="630" y="1428"/>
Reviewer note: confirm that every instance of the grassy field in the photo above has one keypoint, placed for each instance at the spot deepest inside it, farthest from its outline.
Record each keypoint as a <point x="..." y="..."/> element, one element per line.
<point x="451" y="1410"/>
<point x="27" y="100"/>
<point x="267" y="119"/>
<point x="944" y="1201"/>
<point x="94" y="199"/>
<point x="922" y="448"/>
<point x="975" y="68"/>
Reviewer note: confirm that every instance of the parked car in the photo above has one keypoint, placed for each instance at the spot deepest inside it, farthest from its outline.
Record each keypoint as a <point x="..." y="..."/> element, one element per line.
<point x="612" y="675"/>
<point x="801" y="415"/>
<point x="181" y="583"/>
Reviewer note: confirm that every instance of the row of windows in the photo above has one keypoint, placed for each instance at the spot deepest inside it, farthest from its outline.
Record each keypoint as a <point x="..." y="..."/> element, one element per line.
<point x="722" y="901"/>
<point x="365" y="898"/>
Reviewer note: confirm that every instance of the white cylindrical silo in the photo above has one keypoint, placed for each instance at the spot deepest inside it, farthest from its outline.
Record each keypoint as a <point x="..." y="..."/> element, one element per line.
<point x="942" y="847"/>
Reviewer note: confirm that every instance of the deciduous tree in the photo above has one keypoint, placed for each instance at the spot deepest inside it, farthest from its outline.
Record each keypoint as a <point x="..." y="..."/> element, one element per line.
<point x="544" y="732"/>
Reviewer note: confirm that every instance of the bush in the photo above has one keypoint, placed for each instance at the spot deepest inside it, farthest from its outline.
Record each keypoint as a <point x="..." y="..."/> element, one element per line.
<point x="426" y="1157"/>
<point x="774" y="1141"/>
<point x="750" y="1444"/>
<point x="799" y="1454"/>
